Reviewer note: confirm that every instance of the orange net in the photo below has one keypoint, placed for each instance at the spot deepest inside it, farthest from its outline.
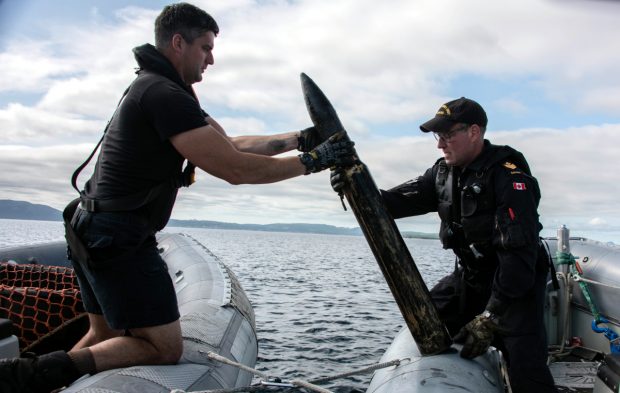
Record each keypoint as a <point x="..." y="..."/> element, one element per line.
<point x="38" y="299"/>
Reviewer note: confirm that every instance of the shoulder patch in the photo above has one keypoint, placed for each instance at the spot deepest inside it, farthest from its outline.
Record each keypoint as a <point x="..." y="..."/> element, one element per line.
<point x="509" y="165"/>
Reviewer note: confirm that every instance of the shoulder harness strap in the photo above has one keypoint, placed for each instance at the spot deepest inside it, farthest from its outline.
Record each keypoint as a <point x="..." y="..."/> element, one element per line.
<point x="136" y="200"/>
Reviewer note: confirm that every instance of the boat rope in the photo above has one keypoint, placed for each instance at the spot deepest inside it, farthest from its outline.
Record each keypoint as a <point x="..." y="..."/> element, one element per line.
<point x="576" y="273"/>
<point x="364" y="370"/>
<point x="273" y="382"/>
<point x="565" y="258"/>
<point x="222" y="359"/>
<point x="593" y="282"/>
<point x="566" y="322"/>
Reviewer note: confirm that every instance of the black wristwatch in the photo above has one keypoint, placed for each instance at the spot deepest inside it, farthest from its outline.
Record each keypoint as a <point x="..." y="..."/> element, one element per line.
<point x="308" y="162"/>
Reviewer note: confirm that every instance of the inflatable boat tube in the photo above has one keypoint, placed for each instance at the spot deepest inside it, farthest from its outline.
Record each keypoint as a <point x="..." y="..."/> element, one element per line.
<point x="216" y="316"/>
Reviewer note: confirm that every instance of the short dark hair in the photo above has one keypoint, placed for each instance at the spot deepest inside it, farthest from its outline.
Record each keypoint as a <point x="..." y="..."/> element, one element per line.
<point x="183" y="18"/>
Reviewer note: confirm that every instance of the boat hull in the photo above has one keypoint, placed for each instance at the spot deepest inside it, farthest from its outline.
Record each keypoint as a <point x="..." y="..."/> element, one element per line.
<point x="216" y="316"/>
<point x="568" y="320"/>
<point x="437" y="373"/>
<point x="599" y="263"/>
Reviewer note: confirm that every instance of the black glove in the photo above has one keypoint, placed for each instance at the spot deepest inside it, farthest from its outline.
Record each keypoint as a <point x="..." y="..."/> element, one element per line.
<point x="477" y="335"/>
<point x="336" y="178"/>
<point x="308" y="139"/>
<point x="332" y="152"/>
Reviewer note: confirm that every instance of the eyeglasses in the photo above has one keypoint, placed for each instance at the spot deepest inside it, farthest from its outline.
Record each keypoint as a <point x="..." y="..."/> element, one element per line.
<point x="446" y="136"/>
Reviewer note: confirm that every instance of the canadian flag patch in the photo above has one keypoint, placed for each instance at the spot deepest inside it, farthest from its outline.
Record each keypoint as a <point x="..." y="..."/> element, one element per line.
<point x="518" y="186"/>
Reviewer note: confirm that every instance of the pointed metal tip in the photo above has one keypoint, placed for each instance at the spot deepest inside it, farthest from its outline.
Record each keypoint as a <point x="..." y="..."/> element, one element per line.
<point x="321" y="111"/>
<point x="307" y="85"/>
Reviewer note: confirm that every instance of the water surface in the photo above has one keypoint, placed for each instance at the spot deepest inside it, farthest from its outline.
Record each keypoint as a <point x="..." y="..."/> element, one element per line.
<point x="322" y="305"/>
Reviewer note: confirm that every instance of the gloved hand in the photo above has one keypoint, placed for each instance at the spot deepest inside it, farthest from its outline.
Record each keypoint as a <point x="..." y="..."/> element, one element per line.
<point x="336" y="178"/>
<point x="477" y="335"/>
<point x="332" y="152"/>
<point x="308" y="139"/>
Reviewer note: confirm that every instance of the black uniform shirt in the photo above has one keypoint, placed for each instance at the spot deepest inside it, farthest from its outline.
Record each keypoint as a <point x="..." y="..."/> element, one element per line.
<point x="506" y="210"/>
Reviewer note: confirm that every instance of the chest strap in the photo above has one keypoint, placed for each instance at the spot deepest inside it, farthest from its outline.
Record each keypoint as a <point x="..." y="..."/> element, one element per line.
<point x="138" y="199"/>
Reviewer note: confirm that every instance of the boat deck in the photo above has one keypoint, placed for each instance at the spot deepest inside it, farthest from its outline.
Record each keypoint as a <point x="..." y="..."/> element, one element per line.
<point x="574" y="377"/>
<point x="575" y="371"/>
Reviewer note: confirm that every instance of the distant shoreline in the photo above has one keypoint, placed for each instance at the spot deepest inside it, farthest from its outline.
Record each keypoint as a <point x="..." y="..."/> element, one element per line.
<point x="21" y="210"/>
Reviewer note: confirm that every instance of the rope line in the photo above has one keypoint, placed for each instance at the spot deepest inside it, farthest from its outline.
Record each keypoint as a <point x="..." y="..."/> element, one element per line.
<point x="565" y="258"/>
<point x="308" y="385"/>
<point x="277" y="382"/>
<point x="561" y="351"/>
<point x="593" y="282"/>
<point x="244" y="389"/>
<point x="222" y="359"/>
<point x="364" y="370"/>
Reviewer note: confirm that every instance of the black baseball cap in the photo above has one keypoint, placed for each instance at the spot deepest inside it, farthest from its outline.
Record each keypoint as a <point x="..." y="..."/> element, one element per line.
<point x="462" y="110"/>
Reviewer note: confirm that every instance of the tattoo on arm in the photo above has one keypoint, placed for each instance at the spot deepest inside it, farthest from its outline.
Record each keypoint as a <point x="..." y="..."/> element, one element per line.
<point x="277" y="145"/>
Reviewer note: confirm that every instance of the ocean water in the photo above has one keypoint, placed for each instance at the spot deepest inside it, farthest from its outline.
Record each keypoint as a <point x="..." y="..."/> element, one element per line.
<point x="322" y="305"/>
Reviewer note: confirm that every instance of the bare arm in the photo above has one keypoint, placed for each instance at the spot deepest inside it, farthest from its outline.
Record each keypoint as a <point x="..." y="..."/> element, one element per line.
<point x="216" y="126"/>
<point x="215" y="153"/>
<point x="268" y="145"/>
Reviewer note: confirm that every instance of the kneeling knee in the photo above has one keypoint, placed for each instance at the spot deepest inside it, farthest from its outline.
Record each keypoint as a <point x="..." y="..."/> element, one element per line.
<point x="171" y="355"/>
<point x="175" y="356"/>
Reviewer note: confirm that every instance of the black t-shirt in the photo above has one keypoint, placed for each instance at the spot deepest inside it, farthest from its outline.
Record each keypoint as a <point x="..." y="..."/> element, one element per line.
<point x="136" y="154"/>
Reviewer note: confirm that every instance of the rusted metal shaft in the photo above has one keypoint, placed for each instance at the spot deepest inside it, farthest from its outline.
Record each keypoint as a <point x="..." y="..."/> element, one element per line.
<point x="383" y="236"/>
<point x="396" y="263"/>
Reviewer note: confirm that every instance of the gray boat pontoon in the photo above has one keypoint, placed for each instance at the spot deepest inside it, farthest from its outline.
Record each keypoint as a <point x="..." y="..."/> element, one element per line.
<point x="216" y="316"/>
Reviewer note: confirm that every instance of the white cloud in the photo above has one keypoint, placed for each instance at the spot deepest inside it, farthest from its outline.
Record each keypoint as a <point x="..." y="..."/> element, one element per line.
<point x="375" y="55"/>
<point x="41" y="174"/>
<point x="597" y="222"/>
<point x="378" y="62"/>
<point x="574" y="191"/>
<point x="19" y="123"/>
<point x="29" y="66"/>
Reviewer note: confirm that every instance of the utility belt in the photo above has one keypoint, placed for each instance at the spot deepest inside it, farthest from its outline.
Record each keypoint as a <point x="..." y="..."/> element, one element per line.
<point x="78" y="251"/>
<point x="102" y="239"/>
<point x="141" y="198"/>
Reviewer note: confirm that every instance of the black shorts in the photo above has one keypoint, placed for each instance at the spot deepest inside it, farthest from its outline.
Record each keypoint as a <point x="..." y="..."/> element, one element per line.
<point x="128" y="282"/>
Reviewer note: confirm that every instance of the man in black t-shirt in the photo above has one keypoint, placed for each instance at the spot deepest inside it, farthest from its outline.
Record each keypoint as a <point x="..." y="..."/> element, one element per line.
<point x="125" y="286"/>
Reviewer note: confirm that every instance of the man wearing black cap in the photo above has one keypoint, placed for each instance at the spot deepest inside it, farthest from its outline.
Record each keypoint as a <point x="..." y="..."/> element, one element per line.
<point x="487" y="200"/>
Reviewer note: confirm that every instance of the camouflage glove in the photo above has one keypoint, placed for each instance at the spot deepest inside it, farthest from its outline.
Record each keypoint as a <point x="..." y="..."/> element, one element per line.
<point x="477" y="335"/>
<point x="331" y="153"/>
<point x="308" y="139"/>
<point x="336" y="179"/>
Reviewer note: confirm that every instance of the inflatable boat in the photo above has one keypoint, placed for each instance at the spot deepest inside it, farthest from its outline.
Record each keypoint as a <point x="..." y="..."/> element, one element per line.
<point x="216" y="316"/>
<point x="582" y="322"/>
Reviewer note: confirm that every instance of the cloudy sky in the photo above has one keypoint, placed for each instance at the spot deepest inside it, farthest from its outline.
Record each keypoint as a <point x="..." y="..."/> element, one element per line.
<point x="546" y="71"/>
